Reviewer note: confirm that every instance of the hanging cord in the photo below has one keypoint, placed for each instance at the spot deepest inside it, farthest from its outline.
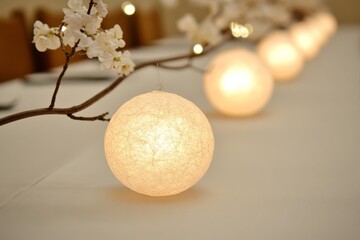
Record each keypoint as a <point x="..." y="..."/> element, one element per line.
<point x="160" y="87"/>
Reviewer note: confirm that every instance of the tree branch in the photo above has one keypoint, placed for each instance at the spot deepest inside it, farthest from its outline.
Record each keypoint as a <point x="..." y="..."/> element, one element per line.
<point x="77" y="108"/>
<point x="100" y="117"/>
<point x="91" y="4"/>
<point x="188" y="64"/>
<point x="58" y="82"/>
<point x="68" y="55"/>
<point x="66" y="65"/>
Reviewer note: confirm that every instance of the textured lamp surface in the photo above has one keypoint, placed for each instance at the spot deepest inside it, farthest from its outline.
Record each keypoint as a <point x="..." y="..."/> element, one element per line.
<point x="238" y="83"/>
<point x="283" y="58"/>
<point x="159" y="144"/>
<point x="303" y="38"/>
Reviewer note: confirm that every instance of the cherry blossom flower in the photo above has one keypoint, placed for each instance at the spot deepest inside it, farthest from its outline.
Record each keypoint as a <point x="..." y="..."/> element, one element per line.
<point x="101" y="8"/>
<point x="124" y="64"/>
<point x="45" y="37"/>
<point x="205" y="32"/>
<point x="188" y="24"/>
<point x="77" y="5"/>
<point x="84" y="31"/>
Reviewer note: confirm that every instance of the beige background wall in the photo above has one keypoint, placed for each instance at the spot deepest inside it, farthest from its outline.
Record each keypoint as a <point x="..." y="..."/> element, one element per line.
<point x="346" y="11"/>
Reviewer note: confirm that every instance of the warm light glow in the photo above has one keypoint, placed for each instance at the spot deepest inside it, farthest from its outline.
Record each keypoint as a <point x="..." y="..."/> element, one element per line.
<point x="237" y="83"/>
<point x="327" y="22"/>
<point x="304" y="39"/>
<point x="238" y="30"/>
<point x="128" y="8"/>
<point x="198" y="48"/>
<point x="63" y="28"/>
<point x="282" y="57"/>
<point x="159" y="144"/>
<point x="236" y="80"/>
<point x="249" y="27"/>
<point x="317" y="32"/>
<point x="235" y="29"/>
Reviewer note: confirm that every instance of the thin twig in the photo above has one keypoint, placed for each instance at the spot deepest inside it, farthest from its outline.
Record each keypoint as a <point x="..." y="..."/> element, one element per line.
<point x="68" y="55"/>
<point x="100" y="117"/>
<point x="91" y="4"/>
<point x="58" y="82"/>
<point x="188" y="64"/>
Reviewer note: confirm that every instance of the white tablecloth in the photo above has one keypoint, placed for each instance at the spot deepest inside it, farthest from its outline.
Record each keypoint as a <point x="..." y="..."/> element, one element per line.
<point x="291" y="172"/>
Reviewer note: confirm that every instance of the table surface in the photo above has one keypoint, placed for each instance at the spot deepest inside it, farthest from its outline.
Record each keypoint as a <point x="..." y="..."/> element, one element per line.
<point x="290" y="172"/>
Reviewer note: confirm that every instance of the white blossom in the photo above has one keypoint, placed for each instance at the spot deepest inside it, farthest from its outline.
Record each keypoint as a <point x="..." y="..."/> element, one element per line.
<point x="85" y="40"/>
<point x="84" y="31"/>
<point x="106" y="42"/>
<point x="208" y="33"/>
<point x="74" y="19"/>
<point x="115" y="35"/>
<point x="92" y="24"/>
<point x="187" y="24"/>
<point x="45" y="37"/>
<point x="68" y="37"/>
<point x="205" y="32"/>
<point x="118" y="61"/>
<point x="105" y="48"/>
<point x="107" y="59"/>
<point x="124" y="65"/>
<point x="101" y="8"/>
<point x="76" y="5"/>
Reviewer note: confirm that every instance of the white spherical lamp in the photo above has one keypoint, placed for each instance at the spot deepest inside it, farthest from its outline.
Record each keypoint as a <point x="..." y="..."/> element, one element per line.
<point x="317" y="31"/>
<point x="327" y="22"/>
<point x="280" y="54"/>
<point x="159" y="144"/>
<point x="304" y="40"/>
<point x="238" y="83"/>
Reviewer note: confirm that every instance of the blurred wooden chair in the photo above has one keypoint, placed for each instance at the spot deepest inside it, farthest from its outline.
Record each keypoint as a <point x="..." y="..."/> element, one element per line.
<point x="51" y="58"/>
<point x="15" y="48"/>
<point x="148" y="26"/>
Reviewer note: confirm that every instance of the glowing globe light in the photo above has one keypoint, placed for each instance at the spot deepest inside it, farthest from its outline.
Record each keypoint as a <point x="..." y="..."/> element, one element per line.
<point x="279" y="53"/>
<point x="128" y="8"/>
<point x="198" y="49"/>
<point x="327" y="22"/>
<point x="304" y="40"/>
<point x="317" y="31"/>
<point x="238" y="30"/>
<point x="159" y="144"/>
<point x="237" y="83"/>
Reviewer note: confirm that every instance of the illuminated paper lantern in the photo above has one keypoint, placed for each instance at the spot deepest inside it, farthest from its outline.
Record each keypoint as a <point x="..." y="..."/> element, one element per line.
<point x="317" y="31"/>
<point x="238" y="83"/>
<point x="304" y="39"/>
<point x="280" y="54"/>
<point x="327" y="22"/>
<point x="159" y="144"/>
